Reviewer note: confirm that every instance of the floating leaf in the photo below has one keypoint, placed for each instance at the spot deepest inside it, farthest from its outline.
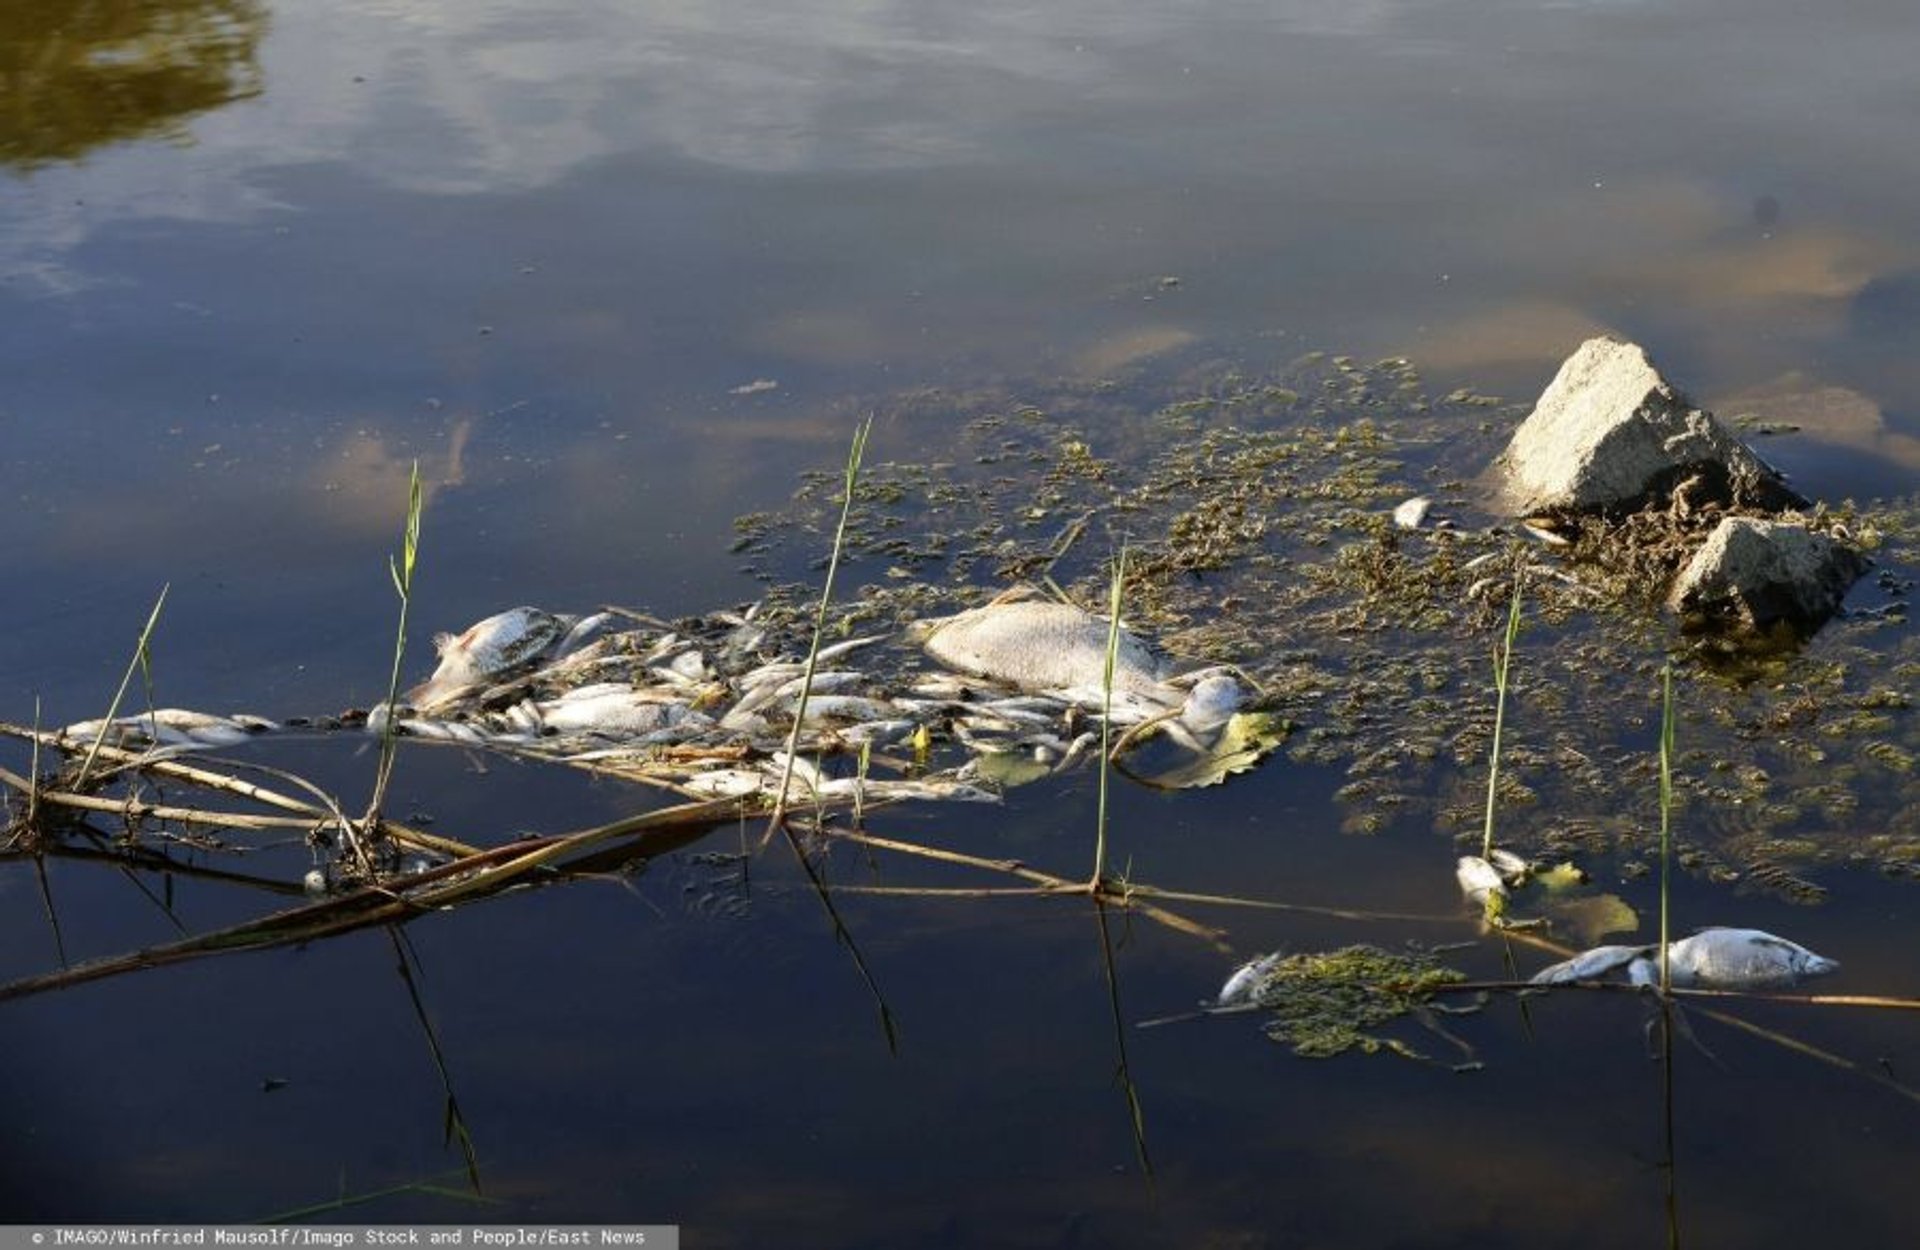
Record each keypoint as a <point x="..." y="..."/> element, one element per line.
<point x="1011" y="768"/>
<point x="1594" y="916"/>
<point x="1246" y="739"/>
<point x="1562" y="876"/>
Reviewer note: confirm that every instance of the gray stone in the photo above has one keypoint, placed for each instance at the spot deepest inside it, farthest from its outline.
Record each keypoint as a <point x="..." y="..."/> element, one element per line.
<point x="1610" y="435"/>
<point x="1751" y="574"/>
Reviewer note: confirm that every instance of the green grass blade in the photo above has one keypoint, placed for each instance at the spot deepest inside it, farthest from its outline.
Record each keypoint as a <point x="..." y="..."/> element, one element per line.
<point x="854" y="456"/>
<point x="402" y="573"/>
<point x="1114" y="594"/>
<point x="1502" y="662"/>
<point x="1666" y="815"/>
<point x="139" y="662"/>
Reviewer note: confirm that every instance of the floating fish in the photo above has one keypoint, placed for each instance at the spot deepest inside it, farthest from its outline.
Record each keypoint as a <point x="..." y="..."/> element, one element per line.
<point x="1211" y="703"/>
<point x="610" y="710"/>
<point x="1244" y="984"/>
<point x="170" y="727"/>
<point x="1718" y="958"/>
<point x="1479" y="880"/>
<point x="1589" y="965"/>
<point x="1733" y="959"/>
<point x="1037" y="645"/>
<point x="488" y="651"/>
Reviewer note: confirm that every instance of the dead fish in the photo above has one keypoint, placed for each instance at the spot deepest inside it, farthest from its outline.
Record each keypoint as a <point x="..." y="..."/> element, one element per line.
<point x="1589" y="965"/>
<point x="848" y="707"/>
<point x="1733" y="959"/>
<point x="1245" y="981"/>
<point x="724" y="783"/>
<point x="610" y="710"/>
<point x="1512" y="869"/>
<point x="1037" y="645"/>
<point x="1726" y="959"/>
<point x="1479" y="880"/>
<point x="488" y="650"/>
<point x="771" y="686"/>
<point x="1211" y="703"/>
<point x="1412" y="514"/>
<point x="168" y="727"/>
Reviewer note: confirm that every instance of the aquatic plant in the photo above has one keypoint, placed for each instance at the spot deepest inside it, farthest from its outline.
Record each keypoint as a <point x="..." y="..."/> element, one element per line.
<point x="1666" y="821"/>
<point x="1115" y="589"/>
<point x="1502" y="663"/>
<point x="142" y="662"/>
<point x="851" y="480"/>
<point x="1329" y="1002"/>
<point x="402" y="574"/>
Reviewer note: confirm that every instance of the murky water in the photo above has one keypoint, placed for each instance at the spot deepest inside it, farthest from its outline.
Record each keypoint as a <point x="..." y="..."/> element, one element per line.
<point x="614" y="274"/>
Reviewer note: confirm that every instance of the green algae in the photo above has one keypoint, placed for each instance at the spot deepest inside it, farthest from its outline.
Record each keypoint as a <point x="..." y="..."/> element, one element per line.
<point x="1256" y="508"/>
<point x="1325" y="1004"/>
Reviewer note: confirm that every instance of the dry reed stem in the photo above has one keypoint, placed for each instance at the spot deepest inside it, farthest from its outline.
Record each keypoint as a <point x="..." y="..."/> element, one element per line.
<point x="168" y="767"/>
<point x="1309" y="909"/>
<point x="937" y="891"/>
<point x="379" y="904"/>
<point x="1119" y="894"/>
<point x="134" y="809"/>
<point x="315" y="815"/>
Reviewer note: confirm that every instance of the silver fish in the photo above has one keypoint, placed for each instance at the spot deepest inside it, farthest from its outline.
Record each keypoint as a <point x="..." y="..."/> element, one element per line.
<point x="1734" y="959"/>
<point x="1211" y="703"/>
<point x="1039" y="646"/>
<point x="168" y="727"/>
<point x="1479" y="880"/>
<point x="488" y="650"/>
<point x="610" y="710"/>
<point x="1244" y="984"/>
<point x="1589" y="965"/>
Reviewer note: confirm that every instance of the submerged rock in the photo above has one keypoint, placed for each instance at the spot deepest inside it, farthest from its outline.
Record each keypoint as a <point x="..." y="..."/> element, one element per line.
<point x="1751" y="574"/>
<point x="1611" y="435"/>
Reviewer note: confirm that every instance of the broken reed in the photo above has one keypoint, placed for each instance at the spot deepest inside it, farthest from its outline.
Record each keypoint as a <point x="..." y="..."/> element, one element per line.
<point x="1114" y="589"/>
<point x="854" y="456"/>
<point x="1502" y="662"/>
<point x="402" y="573"/>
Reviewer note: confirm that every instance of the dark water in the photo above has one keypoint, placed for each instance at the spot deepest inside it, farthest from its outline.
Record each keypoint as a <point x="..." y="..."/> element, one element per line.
<point x="258" y="257"/>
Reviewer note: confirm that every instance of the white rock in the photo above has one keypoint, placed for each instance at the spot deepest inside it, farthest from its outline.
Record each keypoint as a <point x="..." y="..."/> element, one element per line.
<point x="1610" y="434"/>
<point x="1751" y="573"/>
<point x="1412" y="514"/>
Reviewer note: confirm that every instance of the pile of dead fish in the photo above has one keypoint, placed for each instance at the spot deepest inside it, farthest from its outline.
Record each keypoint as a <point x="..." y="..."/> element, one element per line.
<point x="701" y="707"/>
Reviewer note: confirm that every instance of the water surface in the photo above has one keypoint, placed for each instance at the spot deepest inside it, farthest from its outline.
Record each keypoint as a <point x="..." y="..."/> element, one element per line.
<point x="259" y="256"/>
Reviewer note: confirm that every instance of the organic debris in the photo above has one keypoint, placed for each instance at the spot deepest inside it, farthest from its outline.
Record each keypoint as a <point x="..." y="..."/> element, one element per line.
<point x="1258" y="513"/>
<point x="1326" y="1004"/>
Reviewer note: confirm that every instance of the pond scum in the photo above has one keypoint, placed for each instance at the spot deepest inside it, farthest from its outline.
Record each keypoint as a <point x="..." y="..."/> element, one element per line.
<point x="1255" y="515"/>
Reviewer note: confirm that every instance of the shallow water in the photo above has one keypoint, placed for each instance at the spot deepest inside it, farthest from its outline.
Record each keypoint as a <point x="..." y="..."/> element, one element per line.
<point x="553" y="252"/>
